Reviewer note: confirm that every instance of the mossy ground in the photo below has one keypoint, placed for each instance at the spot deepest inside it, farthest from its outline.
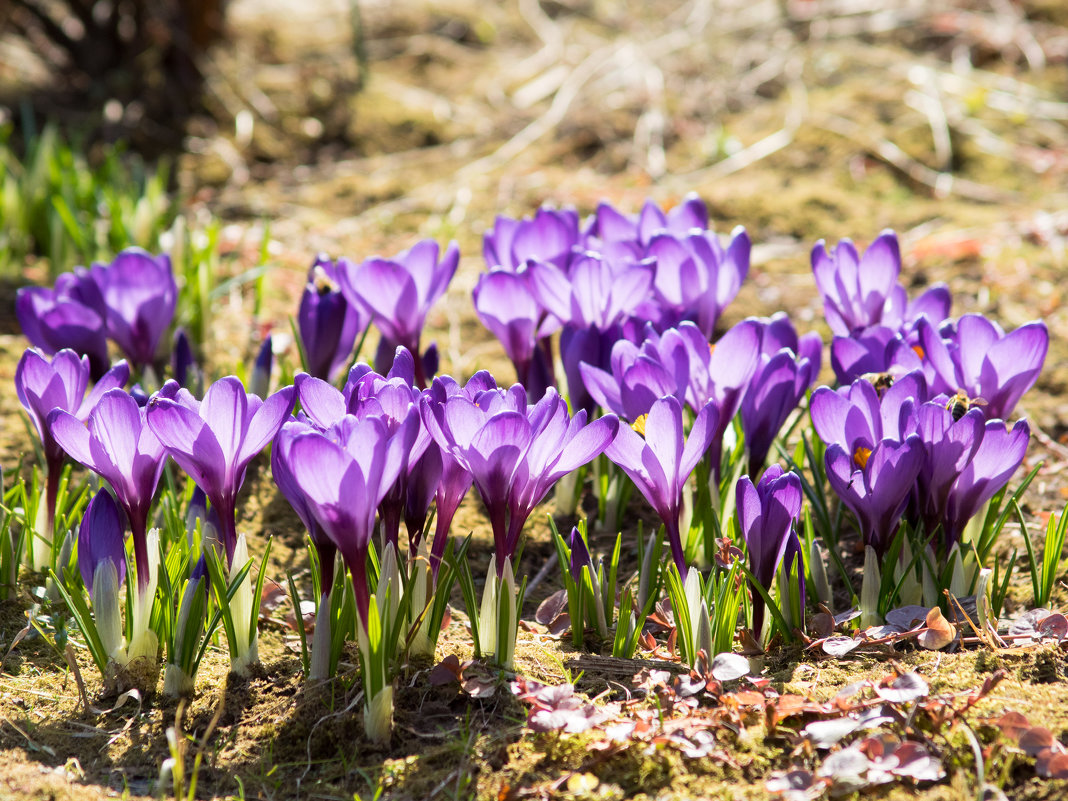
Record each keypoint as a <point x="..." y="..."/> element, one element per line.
<point x="452" y="129"/>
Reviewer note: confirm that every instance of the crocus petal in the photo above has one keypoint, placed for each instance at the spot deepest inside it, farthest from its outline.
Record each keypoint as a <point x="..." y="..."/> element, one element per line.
<point x="72" y="436"/>
<point x="265" y="424"/>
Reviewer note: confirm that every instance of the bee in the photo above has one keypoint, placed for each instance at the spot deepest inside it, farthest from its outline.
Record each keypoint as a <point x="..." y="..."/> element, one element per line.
<point x="960" y="403"/>
<point x="881" y="381"/>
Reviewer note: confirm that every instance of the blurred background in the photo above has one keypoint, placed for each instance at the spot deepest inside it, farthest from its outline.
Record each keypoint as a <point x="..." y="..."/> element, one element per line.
<point x="297" y="126"/>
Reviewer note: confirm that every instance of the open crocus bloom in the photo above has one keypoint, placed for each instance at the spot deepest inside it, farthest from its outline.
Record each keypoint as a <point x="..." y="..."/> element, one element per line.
<point x="399" y="292"/>
<point x="214" y="440"/>
<point x="660" y="459"/>
<point x="975" y="355"/>
<point x="117" y="443"/>
<point x="43" y="386"/>
<point x="140" y="296"/>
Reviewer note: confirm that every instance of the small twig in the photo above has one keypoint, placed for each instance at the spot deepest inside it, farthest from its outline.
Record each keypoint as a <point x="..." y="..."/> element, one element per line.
<point x="539" y="577"/>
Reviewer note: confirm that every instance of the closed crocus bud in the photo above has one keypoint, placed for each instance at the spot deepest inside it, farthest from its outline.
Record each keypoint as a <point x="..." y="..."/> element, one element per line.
<point x="327" y="322"/>
<point x="184" y="364"/>
<point x="260" y="383"/>
<point x="580" y="554"/>
<point x="102" y="563"/>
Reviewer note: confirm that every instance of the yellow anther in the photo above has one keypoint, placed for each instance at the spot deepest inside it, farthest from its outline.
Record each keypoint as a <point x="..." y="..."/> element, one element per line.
<point x="639" y="424"/>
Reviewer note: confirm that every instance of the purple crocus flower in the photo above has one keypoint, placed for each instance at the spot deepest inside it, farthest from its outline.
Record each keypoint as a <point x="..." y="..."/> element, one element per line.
<point x="873" y="457"/>
<point x="767" y="513"/>
<point x="214" y="440"/>
<point x="788" y="366"/>
<point x="725" y="377"/>
<point x="394" y="399"/>
<point x="696" y="278"/>
<point x="506" y="305"/>
<point x="328" y="323"/>
<point x="592" y="301"/>
<point x="875" y="484"/>
<point x="291" y="490"/>
<point x="659" y="460"/>
<point x="580" y="554"/>
<point x="550" y="236"/>
<point x="71" y="315"/>
<point x="101" y="540"/>
<point x="60" y="384"/>
<point x="184" y="364"/>
<point x="513" y="452"/>
<point x="858" y="416"/>
<point x="260" y="381"/>
<point x="994" y="462"/>
<point x="871" y="352"/>
<point x="975" y="355"/>
<point x="861" y="291"/>
<point x="399" y="292"/>
<point x="949" y="446"/>
<point x="117" y="444"/>
<point x="559" y="445"/>
<point x="612" y="226"/>
<point x="140" y="296"/>
<point x="343" y="474"/>
<point x="639" y="375"/>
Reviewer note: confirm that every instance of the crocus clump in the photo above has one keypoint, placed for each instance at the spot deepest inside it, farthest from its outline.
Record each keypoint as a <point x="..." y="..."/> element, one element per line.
<point x="514" y="452"/>
<point x="398" y="294"/>
<point x="602" y="282"/>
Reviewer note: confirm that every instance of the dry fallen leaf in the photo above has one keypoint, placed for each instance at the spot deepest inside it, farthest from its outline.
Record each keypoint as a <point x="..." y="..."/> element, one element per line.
<point x="940" y="632"/>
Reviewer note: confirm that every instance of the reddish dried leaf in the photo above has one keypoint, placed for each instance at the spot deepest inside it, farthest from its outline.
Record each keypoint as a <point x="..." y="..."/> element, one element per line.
<point x="907" y="617"/>
<point x="746" y="697"/>
<point x="480" y="686"/>
<point x="1054" y="626"/>
<point x="727" y="667"/>
<point x="551" y="608"/>
<point x="447" y="671"/>
<point x="1035" y="739"/>
<point x="1052" y="765"/>
<point x="915" y="762"/>
<point x="821" y="625"/>
<point x="1012" y="724"/>
<point x="839" y="645"/>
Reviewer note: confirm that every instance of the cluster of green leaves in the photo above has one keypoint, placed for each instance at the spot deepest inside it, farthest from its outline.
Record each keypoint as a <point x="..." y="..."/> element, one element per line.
<point x="58" y="205"/>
